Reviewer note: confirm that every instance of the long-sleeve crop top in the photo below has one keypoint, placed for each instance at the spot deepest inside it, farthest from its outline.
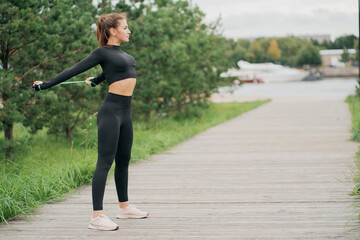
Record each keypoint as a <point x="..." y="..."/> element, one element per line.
<point x="115" y="63"/>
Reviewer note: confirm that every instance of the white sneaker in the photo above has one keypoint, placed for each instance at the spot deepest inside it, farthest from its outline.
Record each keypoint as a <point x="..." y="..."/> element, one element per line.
<point x="130" y="212"/>
<point x="103" y="222"/>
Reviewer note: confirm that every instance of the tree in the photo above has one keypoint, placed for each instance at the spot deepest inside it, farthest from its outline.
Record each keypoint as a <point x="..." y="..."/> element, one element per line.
<point x="274" y="51"/>
<point x="346" y="41"/>
<point x="37" y="42"/>
<point x="327" y="44"/>
<point x="356" y="47"/>
<point x="308" y="55"/>
<point x="256" y="53"/>
<point x="289" y="47"/>
<point x="105" y="6"/>
<point x="234" y="50"/>
<point x="345" y="56"/>
<point x="176" y="58"/>
<point x="179" y="60"/>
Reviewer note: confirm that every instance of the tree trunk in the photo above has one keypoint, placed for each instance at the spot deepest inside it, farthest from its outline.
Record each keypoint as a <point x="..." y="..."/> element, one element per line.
<point x="8" y="133"/>
<point x="69" y="134"/>
<point x="148" y="114"/>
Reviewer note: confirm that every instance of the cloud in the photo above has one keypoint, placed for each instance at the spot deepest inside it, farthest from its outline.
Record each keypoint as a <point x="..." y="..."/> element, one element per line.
<point x="253" y="18"/>
<point x="320" y="21"/>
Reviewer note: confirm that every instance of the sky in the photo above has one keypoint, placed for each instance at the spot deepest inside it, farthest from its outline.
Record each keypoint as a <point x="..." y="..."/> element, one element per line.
<point x="256" y="18"/>
<point x="278" y="18"/>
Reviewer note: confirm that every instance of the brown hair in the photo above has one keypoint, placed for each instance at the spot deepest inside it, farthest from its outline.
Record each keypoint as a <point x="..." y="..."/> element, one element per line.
<point x="104" y="23"/>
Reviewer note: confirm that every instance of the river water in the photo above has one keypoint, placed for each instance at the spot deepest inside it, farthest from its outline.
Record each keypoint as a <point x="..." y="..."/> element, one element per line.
<point x="328" y="88"/>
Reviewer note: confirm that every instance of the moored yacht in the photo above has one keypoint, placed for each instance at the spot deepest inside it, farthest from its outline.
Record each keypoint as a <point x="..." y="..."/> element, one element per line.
<point x="267" y="72"/>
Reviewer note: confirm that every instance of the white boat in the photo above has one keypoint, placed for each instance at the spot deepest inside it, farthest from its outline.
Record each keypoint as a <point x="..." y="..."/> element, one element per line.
<point x="267" y="72"/>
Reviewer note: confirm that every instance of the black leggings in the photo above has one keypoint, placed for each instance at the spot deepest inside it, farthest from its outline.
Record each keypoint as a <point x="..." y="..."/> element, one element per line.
<point x="115" y="138"/>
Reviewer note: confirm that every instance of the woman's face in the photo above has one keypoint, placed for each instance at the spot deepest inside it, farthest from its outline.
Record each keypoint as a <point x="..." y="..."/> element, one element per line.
<point x="122" y="32"/>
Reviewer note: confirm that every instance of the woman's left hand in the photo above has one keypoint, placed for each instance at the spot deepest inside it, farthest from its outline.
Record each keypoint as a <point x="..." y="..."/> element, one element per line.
<point x="88" y="81"/>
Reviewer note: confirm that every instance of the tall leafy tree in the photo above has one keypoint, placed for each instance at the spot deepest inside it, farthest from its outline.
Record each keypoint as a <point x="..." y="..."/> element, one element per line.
<point x="255" y="53"/>
<point x="345" y="56"/>
<point x="178" y="60"/>
<point x="37" y="40"/>
<point x="235" y="50"/>
<point x="308" y="55"/>
<point x="346" y="41"/>
<point x="289" y="47"/>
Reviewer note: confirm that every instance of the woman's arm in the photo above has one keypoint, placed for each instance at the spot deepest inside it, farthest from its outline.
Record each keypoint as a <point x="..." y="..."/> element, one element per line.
<point x="95" y="81"/>
<point x="93" y="59"/>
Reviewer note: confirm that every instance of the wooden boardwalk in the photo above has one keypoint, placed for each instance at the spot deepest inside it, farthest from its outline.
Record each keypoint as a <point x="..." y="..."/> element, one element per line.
<point x="281" y="171"/>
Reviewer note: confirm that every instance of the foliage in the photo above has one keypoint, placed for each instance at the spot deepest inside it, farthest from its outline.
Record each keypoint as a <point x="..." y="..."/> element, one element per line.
<point x="345" y="56"/>
<point x="346" y="41"/>
<point x="177" y="67"/>
<point x="236" y="50"/>
<point x="356" y="47"/>
<point x="308" y="55"/>
<point x="289" y="47"/>
<point x="273" y="51"/>
<point x="257" y="51"/>
<point x="178" y="59"/>
<point x="39" y="38"/>
<point x="354" y="106"/>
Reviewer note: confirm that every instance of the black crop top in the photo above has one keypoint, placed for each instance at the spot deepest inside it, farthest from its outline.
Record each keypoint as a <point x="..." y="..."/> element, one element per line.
<point x="115" y="63"/>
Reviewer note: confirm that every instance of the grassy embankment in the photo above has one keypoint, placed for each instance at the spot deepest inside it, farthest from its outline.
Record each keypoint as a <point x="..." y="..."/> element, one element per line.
<point x="354" y="106"/>
<point x="50" y="166"/>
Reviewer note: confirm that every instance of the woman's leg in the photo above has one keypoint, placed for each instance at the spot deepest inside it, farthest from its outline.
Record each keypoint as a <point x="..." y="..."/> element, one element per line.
<point x="108" y="136"/>
<point x="122" y="160"/>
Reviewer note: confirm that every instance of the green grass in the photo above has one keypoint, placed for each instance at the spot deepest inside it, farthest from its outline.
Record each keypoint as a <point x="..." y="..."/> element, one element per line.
<point x="48" y="166"/>
<point x="354" y="106"/>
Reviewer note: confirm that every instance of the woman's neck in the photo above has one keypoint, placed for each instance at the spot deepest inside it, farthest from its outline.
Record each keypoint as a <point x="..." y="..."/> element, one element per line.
<point x="111" y="42"/>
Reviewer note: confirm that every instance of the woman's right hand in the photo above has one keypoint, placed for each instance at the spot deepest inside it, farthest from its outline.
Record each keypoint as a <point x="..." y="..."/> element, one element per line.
<point x="88" y="81"/>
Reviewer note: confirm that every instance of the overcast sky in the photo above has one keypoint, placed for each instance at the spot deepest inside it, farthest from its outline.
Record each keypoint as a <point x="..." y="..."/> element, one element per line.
<point x="257" y="18"/>
<point x="254" y="18"/>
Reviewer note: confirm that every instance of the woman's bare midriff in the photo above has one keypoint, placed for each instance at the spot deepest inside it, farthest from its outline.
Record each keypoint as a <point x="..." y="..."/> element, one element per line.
<point x="123" y="87"/>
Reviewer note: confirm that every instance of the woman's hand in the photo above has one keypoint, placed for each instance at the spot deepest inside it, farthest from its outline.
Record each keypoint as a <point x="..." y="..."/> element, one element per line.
<point x="36" y="85"/>
<point x="88" y="81"/>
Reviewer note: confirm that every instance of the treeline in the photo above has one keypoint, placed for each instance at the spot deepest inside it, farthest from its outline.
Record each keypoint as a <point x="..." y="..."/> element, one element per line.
<point x="347" y="41"/>
<point x="178" y="62"/>
<point x="290" y="51"/>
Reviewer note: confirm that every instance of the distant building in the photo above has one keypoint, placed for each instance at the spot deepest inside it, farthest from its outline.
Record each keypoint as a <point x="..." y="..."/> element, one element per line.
<point x="331" y="57"/>
<point x="319" y="38"/>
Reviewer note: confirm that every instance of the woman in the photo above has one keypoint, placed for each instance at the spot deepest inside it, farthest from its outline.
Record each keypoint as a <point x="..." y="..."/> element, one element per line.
<point x="115" y="129"/>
